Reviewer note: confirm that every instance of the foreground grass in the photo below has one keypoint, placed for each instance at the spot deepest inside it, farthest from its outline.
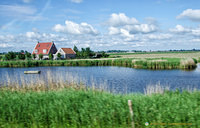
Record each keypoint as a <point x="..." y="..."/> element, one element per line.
<point x="149" y="63"/>
<point x="92" y="109"/>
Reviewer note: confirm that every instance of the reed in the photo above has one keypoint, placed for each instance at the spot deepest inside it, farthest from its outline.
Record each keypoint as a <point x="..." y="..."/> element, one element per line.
<point x="155" y="63"/>
<point x="156" y="89"/>
<point x="66" y="106"/>
<point x="44" y="102"/>
<point x="188" y="64"/>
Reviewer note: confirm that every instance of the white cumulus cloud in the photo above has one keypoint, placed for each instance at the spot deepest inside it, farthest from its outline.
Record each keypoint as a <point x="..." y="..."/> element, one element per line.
<point x="190" y="14"/>
<point x="141" y="28"/>
<point x="118" y="22"/>
<point x="127" y="35"/>
<point x="179" y="29"/>
<point x="4" y="45"/>
<point x="159" y="36"/>
<point x="196" y="40"/>
<point x="121" y="19"/>
<point x="74" y="28"/>
<point x="32" y="35"/>
<point x="113" y="30"/>
<point x="196" y="32"/>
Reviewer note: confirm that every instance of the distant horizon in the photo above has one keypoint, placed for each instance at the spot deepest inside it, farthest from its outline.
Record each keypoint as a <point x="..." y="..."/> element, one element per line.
<point x="131" y="51"/>
<point x="155" y="25"/>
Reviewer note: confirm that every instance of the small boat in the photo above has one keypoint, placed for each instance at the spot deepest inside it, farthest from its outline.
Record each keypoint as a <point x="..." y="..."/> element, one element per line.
<point x="32" y="72"/>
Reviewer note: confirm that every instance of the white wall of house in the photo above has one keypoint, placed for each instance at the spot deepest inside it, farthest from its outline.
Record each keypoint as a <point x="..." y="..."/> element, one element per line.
<point x="63" y="55"/>
<point x="61" y="52"/>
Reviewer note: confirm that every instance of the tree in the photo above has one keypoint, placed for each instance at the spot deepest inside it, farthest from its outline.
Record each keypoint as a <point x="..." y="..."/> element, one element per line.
<point x="21" y="56"/>
<point x="104" y="54"/>
<point x="33" y="56"/>
<point x="59" y="56"/>
<point x="40" y="56"/>
<point x="83" y="53"/>
<point x="1" y="57"/>
<point x="22" y="51"/>
<point x="4" y="58"/>
<point x="10" y="55"/>
<point x="75" y="48"/>
<point x="51" y="56"/>
<point x="27" y="55"/>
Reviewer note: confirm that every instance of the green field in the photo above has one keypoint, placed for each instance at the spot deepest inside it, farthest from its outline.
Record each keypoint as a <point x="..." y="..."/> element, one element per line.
<point x="186" y="54"/>
<point x="88" y="108"/>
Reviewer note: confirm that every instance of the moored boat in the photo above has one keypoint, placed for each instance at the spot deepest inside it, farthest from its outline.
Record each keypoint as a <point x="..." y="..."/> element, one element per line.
<point x="32" y="72"/>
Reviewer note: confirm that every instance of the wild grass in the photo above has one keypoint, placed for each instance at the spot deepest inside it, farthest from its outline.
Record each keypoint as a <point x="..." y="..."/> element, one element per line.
<point x="69" y="105"/>
<point x="148" y="63"/>
<point x="188" y="63"/>
<point x="155" y="89"/>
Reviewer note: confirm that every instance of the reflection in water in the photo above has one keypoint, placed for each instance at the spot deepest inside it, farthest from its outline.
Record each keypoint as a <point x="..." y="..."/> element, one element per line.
<point x="115" y="79"/>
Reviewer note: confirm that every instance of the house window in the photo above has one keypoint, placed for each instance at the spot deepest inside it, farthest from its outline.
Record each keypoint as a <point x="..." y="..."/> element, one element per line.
<point x="36" y="51"/>
<point x="44" y="50"/>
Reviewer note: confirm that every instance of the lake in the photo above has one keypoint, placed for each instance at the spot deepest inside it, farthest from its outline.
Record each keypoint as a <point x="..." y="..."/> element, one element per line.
<point x="115" y="79"/>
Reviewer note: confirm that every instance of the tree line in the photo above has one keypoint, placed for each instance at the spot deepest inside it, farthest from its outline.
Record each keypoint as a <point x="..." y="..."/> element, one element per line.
<point x="83" y="53"/>
<point x="88" y="53"/>
<point x="22" y="55"/>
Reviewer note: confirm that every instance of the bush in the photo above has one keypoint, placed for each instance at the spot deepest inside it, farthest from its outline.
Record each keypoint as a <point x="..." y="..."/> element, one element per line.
<point x="21" y="56"/>
<point x="195" y="60"/>
<point x="40" y="56"/>
<point x="10" y="55"/>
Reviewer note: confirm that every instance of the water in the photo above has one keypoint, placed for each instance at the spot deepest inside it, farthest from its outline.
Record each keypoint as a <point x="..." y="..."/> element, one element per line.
<point x="115" y="79"/>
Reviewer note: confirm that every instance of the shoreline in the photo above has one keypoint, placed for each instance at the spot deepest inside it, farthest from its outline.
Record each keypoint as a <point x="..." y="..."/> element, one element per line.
<point x="148" y="63"/>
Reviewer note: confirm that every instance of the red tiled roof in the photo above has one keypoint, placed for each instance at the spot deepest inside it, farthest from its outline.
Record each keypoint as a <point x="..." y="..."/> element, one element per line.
<point x="68" y="51"/>
<point x="40" y="46"/>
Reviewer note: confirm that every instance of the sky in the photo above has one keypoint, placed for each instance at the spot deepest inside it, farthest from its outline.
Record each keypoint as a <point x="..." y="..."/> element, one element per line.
<point x="100" y="24"/>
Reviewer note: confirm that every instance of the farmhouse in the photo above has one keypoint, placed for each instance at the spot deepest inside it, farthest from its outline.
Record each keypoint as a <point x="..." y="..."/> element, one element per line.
<point x="66" y="53"/>
<point x="45" y="49"/>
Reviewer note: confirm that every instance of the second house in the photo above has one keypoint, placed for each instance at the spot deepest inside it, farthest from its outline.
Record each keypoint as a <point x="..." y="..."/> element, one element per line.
<point x="66" y="53"/>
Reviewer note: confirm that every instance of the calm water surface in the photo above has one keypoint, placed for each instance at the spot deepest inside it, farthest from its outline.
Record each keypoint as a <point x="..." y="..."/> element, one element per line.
<point x="116" y="79"/>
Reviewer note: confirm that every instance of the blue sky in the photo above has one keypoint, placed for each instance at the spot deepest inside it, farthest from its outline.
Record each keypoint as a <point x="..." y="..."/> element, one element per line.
<point x="100" y="24"/>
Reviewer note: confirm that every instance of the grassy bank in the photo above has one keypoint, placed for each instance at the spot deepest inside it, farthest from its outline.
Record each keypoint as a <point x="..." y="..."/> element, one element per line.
<point x="72" y="107"/>
<point x="155" y="63"/>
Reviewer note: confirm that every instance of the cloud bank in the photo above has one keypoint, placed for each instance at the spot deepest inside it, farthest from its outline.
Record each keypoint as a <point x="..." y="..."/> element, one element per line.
<point x="74" y="28"/>
<point x="193" y="15"/>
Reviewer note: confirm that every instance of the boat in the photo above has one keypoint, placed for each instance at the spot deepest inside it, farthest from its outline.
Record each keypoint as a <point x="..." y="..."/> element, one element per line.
<point x="32" y="72"/>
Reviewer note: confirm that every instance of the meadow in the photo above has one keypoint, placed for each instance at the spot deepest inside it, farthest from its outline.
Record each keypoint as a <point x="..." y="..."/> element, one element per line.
<point x="148" y="63"/>
<point x="72" y="105"/>
<point x="182" y="54"/>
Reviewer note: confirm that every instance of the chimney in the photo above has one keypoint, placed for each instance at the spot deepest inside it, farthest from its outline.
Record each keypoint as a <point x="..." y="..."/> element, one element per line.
<point x="38" y="42"/>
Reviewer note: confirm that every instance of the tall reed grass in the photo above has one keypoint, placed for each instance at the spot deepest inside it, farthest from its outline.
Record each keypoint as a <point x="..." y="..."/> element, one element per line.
<point x="156" y="89"/>
<point x="49" y="103"/>
<point x="64" y="105"/>
<point x="156" y="63"/>
<point x="188" y="63"/>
